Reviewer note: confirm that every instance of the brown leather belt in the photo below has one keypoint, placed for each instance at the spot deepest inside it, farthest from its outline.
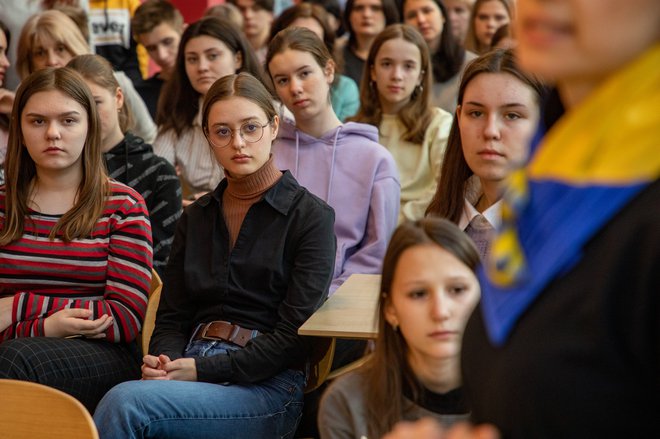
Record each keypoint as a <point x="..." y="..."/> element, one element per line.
<point x="225" y="331"/>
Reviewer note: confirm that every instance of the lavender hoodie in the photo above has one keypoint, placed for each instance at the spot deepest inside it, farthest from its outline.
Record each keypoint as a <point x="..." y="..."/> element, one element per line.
<point x="357" y="176"/>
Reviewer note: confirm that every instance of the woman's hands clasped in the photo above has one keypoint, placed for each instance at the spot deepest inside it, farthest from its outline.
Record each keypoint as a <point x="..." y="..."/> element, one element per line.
<point x="162" y="368"/>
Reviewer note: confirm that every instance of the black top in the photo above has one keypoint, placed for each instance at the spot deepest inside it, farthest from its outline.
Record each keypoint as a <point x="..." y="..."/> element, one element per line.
<point x="353" y="66"/>
<point x="134" y="163"/>
<point x="584" y="359"/>
<point x="149" y="91"/>
<point x="277" y="274"/>
<point x="450" y="403"/>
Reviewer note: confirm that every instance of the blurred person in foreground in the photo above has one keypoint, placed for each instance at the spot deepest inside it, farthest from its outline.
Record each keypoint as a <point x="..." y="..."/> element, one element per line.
<point x="567" y="334"/>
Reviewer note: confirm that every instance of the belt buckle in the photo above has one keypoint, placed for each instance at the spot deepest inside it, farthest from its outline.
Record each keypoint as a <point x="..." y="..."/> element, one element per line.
<point x="231" y="336"/>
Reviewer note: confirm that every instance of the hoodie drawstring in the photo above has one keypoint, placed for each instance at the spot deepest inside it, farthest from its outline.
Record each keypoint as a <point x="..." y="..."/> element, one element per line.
<point x="297" y="147"/>
<point x="332" y="164"/>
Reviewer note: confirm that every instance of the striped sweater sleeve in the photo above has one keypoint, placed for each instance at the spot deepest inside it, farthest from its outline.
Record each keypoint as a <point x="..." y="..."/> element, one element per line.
<point x="108" y="272"/>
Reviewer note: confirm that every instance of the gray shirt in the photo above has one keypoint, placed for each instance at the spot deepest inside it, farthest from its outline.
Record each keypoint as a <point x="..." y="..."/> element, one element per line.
<point x="342" y="413"/>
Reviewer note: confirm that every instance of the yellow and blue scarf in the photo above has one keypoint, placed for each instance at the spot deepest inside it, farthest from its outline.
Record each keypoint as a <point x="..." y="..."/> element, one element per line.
<point x="590" y="165"/>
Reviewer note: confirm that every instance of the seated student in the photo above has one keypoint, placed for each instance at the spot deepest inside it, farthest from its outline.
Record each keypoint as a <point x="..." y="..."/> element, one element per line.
<point x="209" y="49"/>
<point x="429" y="289"/>
<point x="495" y="120"/>
<point x="396" y="89"/>
<point x="458" y="16"/>
<point x="341" y="163"/>
<point x="257" y="19"/>
<point x="344" y="92"/>
<point x="129" y="159"/>
<point x="158" y="26"/>
<point x="448" y="57"/>
<point x="51" y="39"/>
<point x="334" y="13"/>
<point x="487" y="16"/>
<point x="75" y="247"/>
<point x="364" y="20"/>
<point x="250" y="263"/>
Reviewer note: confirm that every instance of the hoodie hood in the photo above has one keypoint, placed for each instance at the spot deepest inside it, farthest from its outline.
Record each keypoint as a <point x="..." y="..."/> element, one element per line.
<point x="324" y="149"/>
<point x="351" y="130"/>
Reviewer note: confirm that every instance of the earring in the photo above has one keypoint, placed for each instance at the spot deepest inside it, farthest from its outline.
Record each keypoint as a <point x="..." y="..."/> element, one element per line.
<point x="417" y="91"/>
<point x="395" y="327"/>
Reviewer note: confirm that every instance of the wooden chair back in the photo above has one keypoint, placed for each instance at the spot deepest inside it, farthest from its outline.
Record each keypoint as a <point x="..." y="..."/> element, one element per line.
<point x="31" y="410"/>
<point x="150" y="316"/>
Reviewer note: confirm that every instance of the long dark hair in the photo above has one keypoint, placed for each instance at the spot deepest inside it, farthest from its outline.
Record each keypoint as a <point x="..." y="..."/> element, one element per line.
<point x="448" y="58"/>
<point x="449" y="197"/>
<point x="179" y="101"/>
<point x="388" y="368"/>
<point x="416" y="115"/>
<point x="389" y="10"/>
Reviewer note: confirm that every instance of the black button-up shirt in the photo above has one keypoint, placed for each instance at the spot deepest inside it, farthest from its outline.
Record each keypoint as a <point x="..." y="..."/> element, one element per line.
<point x="275" y="277"/>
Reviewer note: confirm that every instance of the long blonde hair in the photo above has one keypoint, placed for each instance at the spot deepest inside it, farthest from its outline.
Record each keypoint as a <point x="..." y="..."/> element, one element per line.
<point x="20" y="169"/>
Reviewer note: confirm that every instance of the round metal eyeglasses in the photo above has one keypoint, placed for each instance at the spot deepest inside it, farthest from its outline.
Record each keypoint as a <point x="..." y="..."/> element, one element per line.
<point x="251" y="132"/>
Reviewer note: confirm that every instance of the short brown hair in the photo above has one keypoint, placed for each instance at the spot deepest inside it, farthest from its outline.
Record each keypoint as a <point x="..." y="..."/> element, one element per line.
<point x="152" y="13"/>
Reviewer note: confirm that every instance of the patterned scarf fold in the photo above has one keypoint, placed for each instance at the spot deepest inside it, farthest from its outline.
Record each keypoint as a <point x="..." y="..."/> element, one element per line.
<point x="591" y="164"/>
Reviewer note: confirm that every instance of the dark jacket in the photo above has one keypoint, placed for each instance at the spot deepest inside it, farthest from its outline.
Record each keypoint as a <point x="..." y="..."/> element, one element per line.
<point x="134" y="163"/>
<point x="275" y="277"/>
<point x="149" y="91"/>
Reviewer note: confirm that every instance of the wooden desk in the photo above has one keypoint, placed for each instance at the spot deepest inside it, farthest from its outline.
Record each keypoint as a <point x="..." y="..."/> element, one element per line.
<point x="350" y="312"/>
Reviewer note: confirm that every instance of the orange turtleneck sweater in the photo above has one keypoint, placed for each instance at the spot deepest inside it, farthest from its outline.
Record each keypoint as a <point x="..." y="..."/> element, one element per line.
<point x="241" y="193"/>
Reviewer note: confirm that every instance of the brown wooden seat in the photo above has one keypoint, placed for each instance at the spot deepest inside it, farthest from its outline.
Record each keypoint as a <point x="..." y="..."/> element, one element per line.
<point x="152" y="306"/>
<point x="31" y="410"/>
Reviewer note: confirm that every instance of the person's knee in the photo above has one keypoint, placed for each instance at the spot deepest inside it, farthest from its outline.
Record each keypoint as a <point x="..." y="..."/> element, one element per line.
<point x="17" y="360"/>
<point x="121" y="398"/>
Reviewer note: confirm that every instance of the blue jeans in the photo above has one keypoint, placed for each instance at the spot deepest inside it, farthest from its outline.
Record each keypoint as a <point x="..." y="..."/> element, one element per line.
<point x="183" y="409"/>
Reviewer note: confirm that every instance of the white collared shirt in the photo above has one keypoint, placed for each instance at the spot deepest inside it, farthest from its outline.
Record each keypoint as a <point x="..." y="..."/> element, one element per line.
<point x="473" y="193"/>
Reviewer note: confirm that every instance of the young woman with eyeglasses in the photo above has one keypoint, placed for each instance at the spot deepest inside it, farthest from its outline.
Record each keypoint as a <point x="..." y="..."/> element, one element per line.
<point x="251" y="261"/>
<point x="209" y="49"/>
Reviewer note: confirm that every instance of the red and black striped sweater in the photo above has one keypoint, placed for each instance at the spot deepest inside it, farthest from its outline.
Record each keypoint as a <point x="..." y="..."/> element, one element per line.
<point x="108" y="272"/>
